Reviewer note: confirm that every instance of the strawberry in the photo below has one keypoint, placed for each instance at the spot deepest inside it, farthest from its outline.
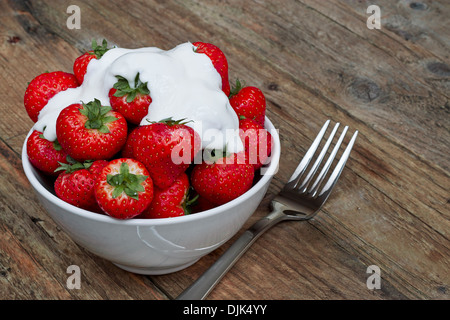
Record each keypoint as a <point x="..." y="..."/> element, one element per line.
<point x="81" y="63"/>
<point x="131" y="102"/>
<point x="224" y="180"/>
<point x="43" y="87"/>
<point x="257" y="142"/>
<point x="127" y="150"/>
<point x="75" y="184"/>
<point x="166" y="148"/>
<point x="91" y="131"/>
<point x="44" y="154"/>
<point x="170" y="202"/>
<point x="97" y="166"/>
<point x="249" y="102"/>
<point x="202" y="204"/>
<point x="124" y="188"/>
<point x="218" y="60"/>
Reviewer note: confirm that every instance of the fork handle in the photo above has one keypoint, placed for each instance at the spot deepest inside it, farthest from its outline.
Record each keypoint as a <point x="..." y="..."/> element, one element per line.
<point x="199" y="289"/>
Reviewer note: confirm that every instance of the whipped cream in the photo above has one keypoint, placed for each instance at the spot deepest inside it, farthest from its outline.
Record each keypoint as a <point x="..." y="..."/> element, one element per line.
<point x="183" y="84"/>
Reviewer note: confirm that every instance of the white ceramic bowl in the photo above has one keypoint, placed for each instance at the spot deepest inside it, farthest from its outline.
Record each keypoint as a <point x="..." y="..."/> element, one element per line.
<point x="154" y="246"/>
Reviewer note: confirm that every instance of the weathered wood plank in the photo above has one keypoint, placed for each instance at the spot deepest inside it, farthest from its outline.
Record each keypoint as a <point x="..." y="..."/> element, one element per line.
<point x="26" y="51"/>
<point x="414" y="106"/>
<point x="35" y="253"/>
<point x="314" y="60"/>
<point x="395" y="183"/>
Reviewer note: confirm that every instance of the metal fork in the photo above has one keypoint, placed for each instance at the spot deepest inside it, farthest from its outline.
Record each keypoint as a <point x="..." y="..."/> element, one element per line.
<point x="300" y="199"/>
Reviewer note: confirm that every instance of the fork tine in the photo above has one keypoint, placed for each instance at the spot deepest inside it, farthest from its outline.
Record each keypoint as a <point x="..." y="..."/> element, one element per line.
<point x="318" y="161"/>
<point x="337" y="171"/>
<point x="327" y="165"/>
<point x="307" y="158"/>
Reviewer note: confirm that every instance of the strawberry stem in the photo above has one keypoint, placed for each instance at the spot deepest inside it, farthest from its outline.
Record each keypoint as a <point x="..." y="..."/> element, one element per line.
<point x="72" y="165"/>
<point x="96" y="114"/>
<point x="123" y="88"/>
<point x="189" y="202"/>
<point x="99" y="51"/>
<point x="236" y="88"/>
<point x="170" y="122"/>
<point x="126" y="182"/>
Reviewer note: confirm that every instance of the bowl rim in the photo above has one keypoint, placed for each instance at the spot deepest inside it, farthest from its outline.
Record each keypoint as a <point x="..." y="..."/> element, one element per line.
<point x="270" y="171"/>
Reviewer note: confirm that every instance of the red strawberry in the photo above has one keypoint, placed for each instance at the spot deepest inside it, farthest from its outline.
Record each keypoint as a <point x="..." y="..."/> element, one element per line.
<point x="218" y="60"/>
<point x="75" y="184"/>
<point x="132" y="103"/>
<point x="81" y="63"/>
<point x="166" y="148"/>
<point x="223" y="180"/>
<point x="91" y="131"/>
<point x="43" y="88"/>
<point x="257" y="142"/>
<point x="170" y="202"/>
<point x="127" y="150"/>
<point x="202" y="204"/>
<point x="97" y="166"/>
<point x="124" y="188"/>
<point x="44" y="154"/>
<point x="248" y="102"/>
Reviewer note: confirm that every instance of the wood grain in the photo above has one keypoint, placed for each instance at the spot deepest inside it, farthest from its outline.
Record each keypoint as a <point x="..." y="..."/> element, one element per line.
<point x="314" y="60"/>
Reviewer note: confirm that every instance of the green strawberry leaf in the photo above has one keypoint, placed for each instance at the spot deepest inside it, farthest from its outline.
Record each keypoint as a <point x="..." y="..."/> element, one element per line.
<point x="114" y="180"/>
<point x="131" y="96"/>
<point x="170" y="122"/>
<point x="124" y="169"/>
<point x="103" y="129"/>
<point x="72" y="165"/>
<point x="104" y="110"/>
<point x="56" y="145"/>
<point x="108" y="119"/>
<point x="71" y="160"/>
<point x="131" y="193"/>
<point x="143" y="90"/>
<point x="190" y="201"/>
<point x="99" y="51"/>
<point x="94" y="124"/>
<point x="236" y="88"/>
<point x="117" y="191"/>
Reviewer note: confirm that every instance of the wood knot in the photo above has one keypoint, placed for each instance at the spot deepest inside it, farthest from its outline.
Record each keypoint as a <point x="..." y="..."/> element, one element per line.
<point x="418" y="6"/>
<point x="273" y="86"/>
<point x="364" y="89"/>
<point x="4" y="272"/>
<point x="439" y="68"/>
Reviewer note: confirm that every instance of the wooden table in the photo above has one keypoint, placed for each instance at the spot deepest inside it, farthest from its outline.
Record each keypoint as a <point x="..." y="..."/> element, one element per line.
<point x="314" y="60"/>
